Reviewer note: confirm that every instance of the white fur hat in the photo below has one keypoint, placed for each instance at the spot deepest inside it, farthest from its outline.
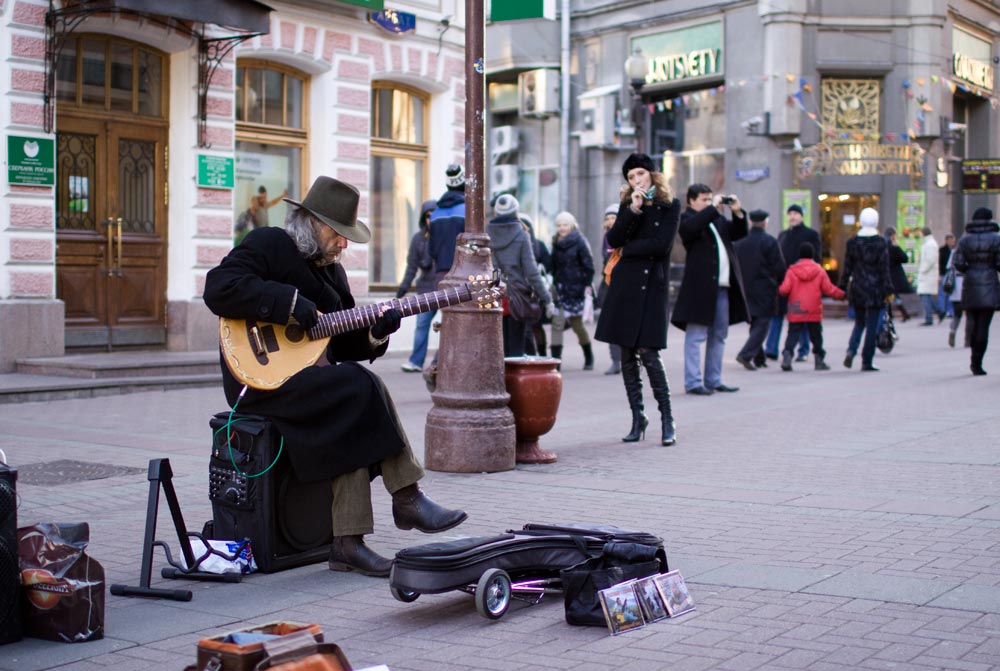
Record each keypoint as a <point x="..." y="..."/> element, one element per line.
<point x="869" y="218"/>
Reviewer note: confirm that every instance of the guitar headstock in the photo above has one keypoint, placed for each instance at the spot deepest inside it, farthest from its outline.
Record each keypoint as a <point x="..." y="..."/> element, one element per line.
<point x="487" y="290"/>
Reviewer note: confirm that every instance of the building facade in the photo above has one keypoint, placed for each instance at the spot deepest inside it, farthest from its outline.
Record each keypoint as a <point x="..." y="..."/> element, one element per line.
<point x="833" y="105"/>
<point x="138" y="144"/>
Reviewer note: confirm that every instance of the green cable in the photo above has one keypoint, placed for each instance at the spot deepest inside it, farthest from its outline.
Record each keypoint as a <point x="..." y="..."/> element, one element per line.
<point x="229" y="442"/>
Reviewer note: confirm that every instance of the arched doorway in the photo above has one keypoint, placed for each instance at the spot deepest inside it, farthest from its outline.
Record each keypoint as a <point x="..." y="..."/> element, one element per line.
<point x="111" y="194"/>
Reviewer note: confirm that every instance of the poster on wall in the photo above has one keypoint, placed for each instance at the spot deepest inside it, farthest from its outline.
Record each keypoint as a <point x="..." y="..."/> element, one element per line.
<point x="911" y="217"/>
<point x="798" y="197"/>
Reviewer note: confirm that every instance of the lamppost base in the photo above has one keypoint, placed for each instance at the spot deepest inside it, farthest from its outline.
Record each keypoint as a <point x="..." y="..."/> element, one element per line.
<point x="470" y="429"/>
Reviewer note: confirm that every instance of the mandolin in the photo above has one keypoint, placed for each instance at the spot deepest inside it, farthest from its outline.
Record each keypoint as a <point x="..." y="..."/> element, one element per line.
<point x="264" y="355"/>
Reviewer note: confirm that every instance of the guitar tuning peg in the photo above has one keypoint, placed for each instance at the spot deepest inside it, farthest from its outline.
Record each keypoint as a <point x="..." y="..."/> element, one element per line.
<point x="472" y="278"/>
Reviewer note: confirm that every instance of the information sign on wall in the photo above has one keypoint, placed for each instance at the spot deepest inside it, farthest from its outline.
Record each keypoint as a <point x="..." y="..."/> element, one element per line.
<point x="31" y="160"/>
<point x="215" y="172"/>
<point x="684" y="54"/>
<point x="981" y="175"/>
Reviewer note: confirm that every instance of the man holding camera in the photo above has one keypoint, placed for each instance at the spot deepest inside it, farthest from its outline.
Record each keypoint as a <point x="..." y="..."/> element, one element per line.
<point x="711" y="296"/>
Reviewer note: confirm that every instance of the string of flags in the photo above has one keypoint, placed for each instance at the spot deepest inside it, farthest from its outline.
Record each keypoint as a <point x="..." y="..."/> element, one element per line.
<point x="804" y="88"/>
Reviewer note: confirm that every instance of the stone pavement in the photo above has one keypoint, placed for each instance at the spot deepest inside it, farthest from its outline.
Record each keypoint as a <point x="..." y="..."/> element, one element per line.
<point x="823" y="520"/>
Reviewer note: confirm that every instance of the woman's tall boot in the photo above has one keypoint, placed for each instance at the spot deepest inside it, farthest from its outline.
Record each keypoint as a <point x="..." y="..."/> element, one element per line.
<point x="556" y="351"/>
<point x="633" y="391"/>
<point x="661" y="392"/>
<point x="588" y="356"/>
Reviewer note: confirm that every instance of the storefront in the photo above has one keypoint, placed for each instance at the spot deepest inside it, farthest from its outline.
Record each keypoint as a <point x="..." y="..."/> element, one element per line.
<point x="166" y="130"/>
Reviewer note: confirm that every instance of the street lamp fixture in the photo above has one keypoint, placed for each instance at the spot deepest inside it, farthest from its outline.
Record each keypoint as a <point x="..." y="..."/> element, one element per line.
<point x="636" y="69"/>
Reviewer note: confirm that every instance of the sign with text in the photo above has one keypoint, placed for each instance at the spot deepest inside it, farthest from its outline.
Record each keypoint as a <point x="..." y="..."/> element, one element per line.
<point x="393" y="21"/>
<point x="684" y="54"/>
<point x="215" y="172"/>
<point x="512" y="10"/>
<point x="31" y="160"/>
<point x="981" y="175"/>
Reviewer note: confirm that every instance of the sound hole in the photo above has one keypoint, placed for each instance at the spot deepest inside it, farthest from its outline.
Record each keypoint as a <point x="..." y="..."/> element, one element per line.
<point x="294" y="333"/>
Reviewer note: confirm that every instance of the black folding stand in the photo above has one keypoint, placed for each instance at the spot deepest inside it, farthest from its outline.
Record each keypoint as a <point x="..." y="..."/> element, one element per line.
<point x="161" y="475"/>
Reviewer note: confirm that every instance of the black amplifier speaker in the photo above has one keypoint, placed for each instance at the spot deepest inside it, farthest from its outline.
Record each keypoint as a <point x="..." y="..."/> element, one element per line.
<point x="10" y="583"/>
<point x="287" y="520"/>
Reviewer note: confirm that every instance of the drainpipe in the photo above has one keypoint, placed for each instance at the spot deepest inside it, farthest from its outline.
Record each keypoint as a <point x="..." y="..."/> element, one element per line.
<point x="564" y="118"/>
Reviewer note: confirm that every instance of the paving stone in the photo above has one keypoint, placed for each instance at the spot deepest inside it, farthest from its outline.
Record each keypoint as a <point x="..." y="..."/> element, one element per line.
<point x="970" y="597"/>
<point x="886" y="588"/>
<point x="763" y="577"/>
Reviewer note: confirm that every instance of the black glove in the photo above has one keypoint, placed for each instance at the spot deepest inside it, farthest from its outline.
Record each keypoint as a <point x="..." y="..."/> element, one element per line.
<point x="400" y="292"/>
<point x="305" y="312"/>
<point x="387" y="323"/>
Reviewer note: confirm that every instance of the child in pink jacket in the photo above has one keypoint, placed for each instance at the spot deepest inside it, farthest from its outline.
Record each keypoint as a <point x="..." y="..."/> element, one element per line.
<point x="805" y="285"/>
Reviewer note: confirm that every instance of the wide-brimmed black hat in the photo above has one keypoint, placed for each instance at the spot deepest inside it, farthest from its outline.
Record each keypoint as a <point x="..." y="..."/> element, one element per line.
<point x="335" y="203"/>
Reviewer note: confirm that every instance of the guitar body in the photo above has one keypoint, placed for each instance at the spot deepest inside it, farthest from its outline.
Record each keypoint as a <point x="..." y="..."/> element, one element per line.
<point x="264" y="355"/>
<point x="284" y="351"/>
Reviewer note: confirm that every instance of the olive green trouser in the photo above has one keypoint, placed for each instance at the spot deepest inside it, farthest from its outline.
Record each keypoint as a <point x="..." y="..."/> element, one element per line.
<point x="352" y="492"/>
<point x="576" y="323"/>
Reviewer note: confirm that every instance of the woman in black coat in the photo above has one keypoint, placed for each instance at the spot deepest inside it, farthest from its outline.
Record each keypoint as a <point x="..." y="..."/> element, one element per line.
<point x="634" y="315"/>
<point x="977" y="256"/>
<point x="866" y="280"/>
<point x="900" y="284"/>
<point x="573" y="273"/>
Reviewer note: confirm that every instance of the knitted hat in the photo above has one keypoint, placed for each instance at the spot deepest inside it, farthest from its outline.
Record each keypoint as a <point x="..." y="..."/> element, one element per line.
<point x="506" y="205"/>
<point x="983" y="214"/>
<point x="454" y="176"/>
<point x="758" y="215"/>
<point x="806" y="251"/>
<point x="637" y="160"/>
<point x="611" y="209"/>
<point x="869" y="218"/>
<point x="795" y="208"/>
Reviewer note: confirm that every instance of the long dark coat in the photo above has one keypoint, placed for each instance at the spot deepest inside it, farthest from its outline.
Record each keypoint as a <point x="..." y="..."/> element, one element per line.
<point x="866" y="277"/>
<point x="335" y="419"/>
<point x="700" y="285"/>
<point x="763" y="270"/>
<point x="900" y="283"/>
<point x="977" y="256"/>
<point x="635" y="308"/>
<point x="572" y="270"/>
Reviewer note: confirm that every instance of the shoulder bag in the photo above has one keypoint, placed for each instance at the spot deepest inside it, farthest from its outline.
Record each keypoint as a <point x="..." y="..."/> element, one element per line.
<point x="523" y="302"/>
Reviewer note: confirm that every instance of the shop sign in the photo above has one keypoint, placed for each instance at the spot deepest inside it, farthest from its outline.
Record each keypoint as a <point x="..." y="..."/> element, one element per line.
<point x="981" y="175"/>
<point x="513" y="10"/>
<point x="971" y="57"/>
<point x="368" y="4"/>
<point x="393" y="21"/>
<point x="973" y="71"/>
<point x="31" y="160"/>
<point x="861" y="158"/>
<point x="683" y="54"/>
<point x="215" y="172"/>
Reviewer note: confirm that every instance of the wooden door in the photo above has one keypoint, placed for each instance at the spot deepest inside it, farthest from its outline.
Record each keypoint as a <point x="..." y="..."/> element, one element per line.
<point x="111" y="232"/>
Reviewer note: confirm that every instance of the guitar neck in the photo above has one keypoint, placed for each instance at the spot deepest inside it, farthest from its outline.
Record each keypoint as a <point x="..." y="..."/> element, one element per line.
<point x="335" y="323"/>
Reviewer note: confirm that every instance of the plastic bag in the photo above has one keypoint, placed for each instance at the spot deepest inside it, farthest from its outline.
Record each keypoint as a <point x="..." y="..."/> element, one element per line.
<point x="213" y="563"/>
<point x="588" y="306"/>
<point x="63" y="587"/>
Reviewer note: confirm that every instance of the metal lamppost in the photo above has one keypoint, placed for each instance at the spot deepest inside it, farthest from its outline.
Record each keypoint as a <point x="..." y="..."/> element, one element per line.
<point x="470" y="429"/>
<point x="636" y="68"/>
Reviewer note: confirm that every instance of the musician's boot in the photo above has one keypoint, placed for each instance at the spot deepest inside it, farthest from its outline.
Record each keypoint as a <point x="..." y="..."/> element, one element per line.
<point x="349" y="553"/>
<point x="411" y="509"/>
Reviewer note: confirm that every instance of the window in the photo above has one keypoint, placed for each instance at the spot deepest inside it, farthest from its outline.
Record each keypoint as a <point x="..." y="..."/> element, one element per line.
<point x="111" y="75"/>
<point x="399" y="177"/>
<point x="271" y="139"/>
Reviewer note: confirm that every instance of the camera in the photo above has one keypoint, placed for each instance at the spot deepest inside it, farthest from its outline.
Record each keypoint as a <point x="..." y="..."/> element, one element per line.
<point x="727" y="200"/>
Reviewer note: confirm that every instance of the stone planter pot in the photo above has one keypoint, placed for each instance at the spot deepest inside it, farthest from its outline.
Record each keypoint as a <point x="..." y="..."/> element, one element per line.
<point x="535" y="388"/>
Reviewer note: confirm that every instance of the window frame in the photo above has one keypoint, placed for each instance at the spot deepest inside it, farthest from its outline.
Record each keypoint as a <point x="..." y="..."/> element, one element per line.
<point x="260" y="129"/>
<point x="388" y="148"/>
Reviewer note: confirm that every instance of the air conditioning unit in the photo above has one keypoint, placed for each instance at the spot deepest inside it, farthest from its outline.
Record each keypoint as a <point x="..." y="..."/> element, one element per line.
<point x="503" y="179"/>
<point x="597" y="116"/>
<point x="538" y="92"/>
<point x="503" y="140"/>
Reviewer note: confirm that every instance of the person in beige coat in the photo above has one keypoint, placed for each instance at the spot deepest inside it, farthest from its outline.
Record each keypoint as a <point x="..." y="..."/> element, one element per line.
<point x="927" y="278"/>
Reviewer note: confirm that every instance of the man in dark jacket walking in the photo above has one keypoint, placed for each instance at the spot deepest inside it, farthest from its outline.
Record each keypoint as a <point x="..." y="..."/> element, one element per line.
<point x="447" y="221"/>
<point x="790" y="240"/>
<point x="711" y="295"/>
<point x="336" y="417"/>
<point x="418" y="260"/>
<point x="763" y="270"/>
<point x="977" y="256"/>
